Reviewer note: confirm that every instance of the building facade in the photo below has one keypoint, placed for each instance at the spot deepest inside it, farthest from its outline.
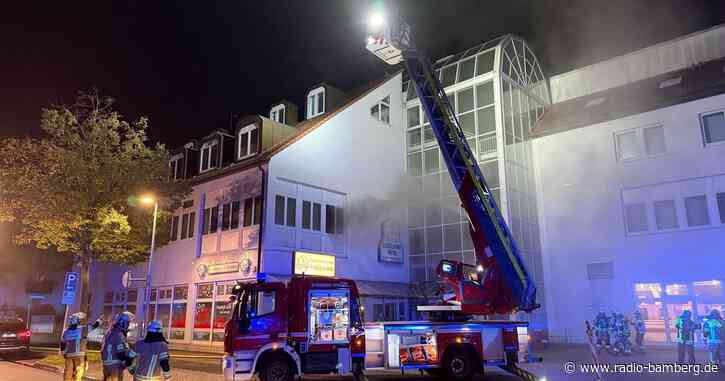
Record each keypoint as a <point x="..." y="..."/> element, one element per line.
<point x="498" y="92"/>
<point x="321" y="196"/>
<point x="630" y="165"/>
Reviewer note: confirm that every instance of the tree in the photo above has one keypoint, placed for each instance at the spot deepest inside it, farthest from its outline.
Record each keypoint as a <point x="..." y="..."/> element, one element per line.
<point x="72" y="190"/>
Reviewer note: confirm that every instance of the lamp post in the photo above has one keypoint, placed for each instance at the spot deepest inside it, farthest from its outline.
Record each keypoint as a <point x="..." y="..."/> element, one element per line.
<point x="148" y="200"/>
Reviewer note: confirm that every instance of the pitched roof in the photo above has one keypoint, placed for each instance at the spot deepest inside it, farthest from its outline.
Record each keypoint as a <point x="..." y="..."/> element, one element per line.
<point x="696" y="82"/>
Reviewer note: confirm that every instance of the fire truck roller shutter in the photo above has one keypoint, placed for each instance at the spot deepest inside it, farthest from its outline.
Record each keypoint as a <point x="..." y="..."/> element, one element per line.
<point x="273" y="351"/>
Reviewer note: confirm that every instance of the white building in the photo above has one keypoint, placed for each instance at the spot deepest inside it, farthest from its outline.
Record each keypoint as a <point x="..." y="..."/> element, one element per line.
<point x="630" y="168"/>
<point x="325" y="193"/>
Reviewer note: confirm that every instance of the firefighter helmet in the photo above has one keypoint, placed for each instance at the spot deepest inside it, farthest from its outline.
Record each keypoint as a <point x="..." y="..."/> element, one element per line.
<point x="123" y="320"/>
<point x="155" y="326"/>
<point x="76" y="318"/>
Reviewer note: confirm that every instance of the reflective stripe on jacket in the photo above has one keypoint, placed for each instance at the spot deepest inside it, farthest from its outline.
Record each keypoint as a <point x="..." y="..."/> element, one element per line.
<point x="149" y="357"/>
<point x="114" y="344"/>
<point x="74" y="342"/>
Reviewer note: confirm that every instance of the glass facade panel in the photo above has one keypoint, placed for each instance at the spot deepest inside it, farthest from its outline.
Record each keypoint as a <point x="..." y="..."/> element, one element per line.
<point x="484" y="62"/>
<point x="448" y="76"/>
<point x="466" y="69"/>
<point x="465" y="100"/>
<point x="486" y="120"/>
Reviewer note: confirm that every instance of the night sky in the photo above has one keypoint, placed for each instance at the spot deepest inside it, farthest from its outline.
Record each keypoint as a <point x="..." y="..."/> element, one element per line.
<point x="190" y="65"/>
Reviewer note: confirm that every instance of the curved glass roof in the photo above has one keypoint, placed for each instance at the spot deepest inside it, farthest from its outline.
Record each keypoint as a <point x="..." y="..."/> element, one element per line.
<point x="516" y="61"/>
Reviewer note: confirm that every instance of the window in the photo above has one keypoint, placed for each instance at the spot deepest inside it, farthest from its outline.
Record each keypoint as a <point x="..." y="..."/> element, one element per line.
<point x="248" y="141"/>
<point x="311" y="215"/>
<point x="641" y="142"/>
<point x="448" y="75"/>
<point x="627" y="146"/>
<point x="676" y="289"/>
<point x="316" y="102"/>
<point x="721" y="206"/>
<point x="381" y="111"/>
<point x="209" y="156"/>
<point x="466" y="69"/>
<point x="636" y="218"/>
<point x="484" y="62"/>
<point x="431" y="161"/>
<point x="285" y="211"/>
<point x="264" y="303"/>
<point x="648" y="290"/>
<point x="665" y="215"/>
<point x="413" y="116"/>
<point x="176" y="167"/>
<point x="713" y="127"/>
<point x="415" y="164"/>
<point x="174" y="227"/>
<point x="278" y="114"/>
<point x="187" y="225"/>
<point x="252" y="211"/>
<point x="333" y="219"/>
<point x="696" y="211"/>
<point x="230" y="215"/>
<point x="211" y="220"/>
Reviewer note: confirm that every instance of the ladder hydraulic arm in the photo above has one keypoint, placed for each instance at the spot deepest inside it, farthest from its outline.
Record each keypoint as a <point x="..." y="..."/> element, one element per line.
<point x="499" y="283"/>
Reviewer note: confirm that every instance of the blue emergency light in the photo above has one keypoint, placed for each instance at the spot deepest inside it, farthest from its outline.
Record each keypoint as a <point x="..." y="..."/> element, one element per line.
<point x="261" y="277"/>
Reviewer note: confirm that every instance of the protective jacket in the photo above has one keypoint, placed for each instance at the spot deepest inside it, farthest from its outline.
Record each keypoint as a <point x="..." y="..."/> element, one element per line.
<point x="712" y="330"/>
<point x="73" y="342"/>
<point x="686" y="330"/>
<point x="152" y="361"/>
<point x="115" y="351"/>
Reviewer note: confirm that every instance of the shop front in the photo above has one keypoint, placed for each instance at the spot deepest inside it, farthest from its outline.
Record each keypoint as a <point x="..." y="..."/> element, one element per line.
<point x="661" y="303"/>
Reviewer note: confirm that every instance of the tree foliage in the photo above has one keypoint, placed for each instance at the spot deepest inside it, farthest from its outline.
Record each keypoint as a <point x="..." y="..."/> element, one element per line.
<point x="73" y="189"/>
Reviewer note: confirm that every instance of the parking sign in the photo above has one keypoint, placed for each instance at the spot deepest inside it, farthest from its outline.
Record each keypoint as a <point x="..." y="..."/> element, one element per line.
<point x="70" y="286"/>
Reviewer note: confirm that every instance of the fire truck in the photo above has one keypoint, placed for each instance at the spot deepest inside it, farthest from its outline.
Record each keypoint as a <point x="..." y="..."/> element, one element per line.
<point x="314" y="325"/>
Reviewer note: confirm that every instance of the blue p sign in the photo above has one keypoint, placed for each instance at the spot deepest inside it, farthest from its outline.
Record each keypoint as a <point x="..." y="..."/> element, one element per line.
<point x="70" y="287"/>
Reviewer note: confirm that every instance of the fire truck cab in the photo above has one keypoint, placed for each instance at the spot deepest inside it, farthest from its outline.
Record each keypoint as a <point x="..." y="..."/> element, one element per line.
<point x="307" y="325"/>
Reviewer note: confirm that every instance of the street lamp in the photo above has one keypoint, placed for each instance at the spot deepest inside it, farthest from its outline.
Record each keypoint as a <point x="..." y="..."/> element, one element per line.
<point x="149" y="200"/>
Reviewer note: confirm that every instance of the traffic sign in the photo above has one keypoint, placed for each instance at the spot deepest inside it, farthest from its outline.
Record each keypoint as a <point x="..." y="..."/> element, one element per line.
<point x="70" y="287"/>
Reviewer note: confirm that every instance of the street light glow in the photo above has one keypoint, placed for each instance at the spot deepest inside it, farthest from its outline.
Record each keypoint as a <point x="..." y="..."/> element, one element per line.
<point x="147" y="199"/>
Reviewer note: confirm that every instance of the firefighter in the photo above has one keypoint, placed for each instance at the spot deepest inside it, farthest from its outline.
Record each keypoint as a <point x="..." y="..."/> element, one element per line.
<point x="152" y="359"/>
<point x="712" y="330"/>
<point x="623" y="335"/>
<point x="115" y="352"/>
<point x="639" y="329"/>
<point x="613" y="332"/>
<point x="73" y="347"/>
<point x="686" y="328"/>
<point x="601" y="330"/>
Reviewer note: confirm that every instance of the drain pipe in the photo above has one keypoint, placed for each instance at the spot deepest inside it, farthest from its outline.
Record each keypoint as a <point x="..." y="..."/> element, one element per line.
<point x="261" y="216"/>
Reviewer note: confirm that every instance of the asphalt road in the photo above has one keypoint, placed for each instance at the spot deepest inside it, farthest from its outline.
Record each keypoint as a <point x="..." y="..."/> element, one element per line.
<point x="10" y="371"/>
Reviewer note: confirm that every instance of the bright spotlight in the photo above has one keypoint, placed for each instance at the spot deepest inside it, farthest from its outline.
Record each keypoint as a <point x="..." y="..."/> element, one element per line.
<point x="147" y="199"/>
<point x="376" y="21"/>
<point x="479" y="268"/>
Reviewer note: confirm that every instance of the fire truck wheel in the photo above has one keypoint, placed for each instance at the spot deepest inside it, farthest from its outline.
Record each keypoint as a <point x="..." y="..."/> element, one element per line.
<point x="459" y="365"/>
<point x="276" y="368"/>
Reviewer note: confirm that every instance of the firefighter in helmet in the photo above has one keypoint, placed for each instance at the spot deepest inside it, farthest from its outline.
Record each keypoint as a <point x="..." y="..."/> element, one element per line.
<point x="115" y="352"/>
<point x="601" y="330"/>
<point x="712" y="330"/>
<point x="152" y="360"/>
<point x="73" y="347"/>
<point x="686" y="328"/>
<point x="639" y="330"/>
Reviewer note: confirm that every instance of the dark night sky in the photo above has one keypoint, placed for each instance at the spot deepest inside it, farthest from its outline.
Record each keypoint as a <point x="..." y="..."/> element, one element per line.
<point x="189" y="64"/>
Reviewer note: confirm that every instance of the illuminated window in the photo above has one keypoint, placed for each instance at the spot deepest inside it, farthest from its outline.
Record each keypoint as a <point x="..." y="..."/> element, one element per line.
<point x="676" y="289"/>
<point x="708" y="288"/>
<point x="381" y="111"/>
<point x="315" y="102"/>
<point x="648" y="290"/>
<point x="248" y="141"/>
<point x="277" y="113"/>
<point x="176" y="167"/>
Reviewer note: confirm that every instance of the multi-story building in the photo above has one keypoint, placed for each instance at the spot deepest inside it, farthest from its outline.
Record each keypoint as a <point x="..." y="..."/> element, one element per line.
<point x="499" y="92"/>
<point x="321" y="196"/>
<point x="630" y="165"/>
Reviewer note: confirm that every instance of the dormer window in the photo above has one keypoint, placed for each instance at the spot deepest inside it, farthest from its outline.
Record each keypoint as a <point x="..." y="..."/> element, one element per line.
<point x="315" y="102"/>
<point x="176" y="167"/>
<point x="209" y="156"/>
<point x="248" y="141"/>
<point x="277" y="113"/>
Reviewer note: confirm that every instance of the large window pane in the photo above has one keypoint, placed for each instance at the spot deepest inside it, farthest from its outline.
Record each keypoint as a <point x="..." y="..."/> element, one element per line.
<point x="696" y="210"/>
<point x="468" y="124"/>
<point x="654" y="140"/>
<point x="291" y="211"/>
<point x="306" y="214"/>
<point x="485" y="62"/>
<point x="413" y="116"/>
<point x="316" y="217"/>
<point x="648" y="290"/>
<point x="486" y="120"/>
<point x="449" y="75"/>
<point x="486" y="145"/>
<point x="329" y="219"/>
<point x="466" y="68"/>
<point x="428" y="135"/>
<point x="235" y="216"/>
<point x="433" y="213"/>
<point x="484" y="94"/>
<point x="709" y="288"/>
<point x="417" y="243"/>
<point x="415" y="216"/>
<point x="226" y="216"/>
<point x="489" y="170"/>
<point x="627" y="145"/>
<point x="665" y="215"/>
<point x="636" y="218"/>
<point x="713" y="127"/>
<point x="417" y="268"/>
<point x="222" y="313"/>
<point x="248" y="211"/>
<point x="415" y="166"/>
<point x="452" y="237"/>
<point x="431" y="161"/>
<point x="178" y="321"/>
<point x="465" y="100"/>
<point x="414" y="138"/>
<point x="433" y="239"/>
<point x="202" y="321"/>
<point x="721" y="206"/>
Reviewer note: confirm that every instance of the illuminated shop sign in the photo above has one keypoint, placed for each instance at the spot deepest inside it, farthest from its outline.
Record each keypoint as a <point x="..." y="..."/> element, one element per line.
<point x="314" y="264"/>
